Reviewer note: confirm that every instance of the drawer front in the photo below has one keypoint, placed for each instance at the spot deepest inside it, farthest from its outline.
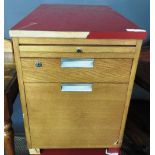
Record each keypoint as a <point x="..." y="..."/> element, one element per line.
<point x="59" y="117"/>
<point x="76" y="49"/>
<point x="76" y="70"/>
<point x="55" y="51"/>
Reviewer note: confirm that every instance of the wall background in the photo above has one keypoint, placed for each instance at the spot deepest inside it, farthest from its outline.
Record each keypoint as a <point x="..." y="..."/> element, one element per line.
<point x="137" y="11"/>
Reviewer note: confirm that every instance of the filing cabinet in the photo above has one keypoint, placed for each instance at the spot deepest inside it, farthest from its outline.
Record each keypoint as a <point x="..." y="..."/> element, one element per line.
<point x="76" y="67"/>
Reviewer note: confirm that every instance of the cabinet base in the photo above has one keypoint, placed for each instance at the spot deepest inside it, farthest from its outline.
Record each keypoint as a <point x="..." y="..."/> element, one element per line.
<point x="34" y="151"/>
<point x="112" y="151"/>
<point x="109" y="151"/>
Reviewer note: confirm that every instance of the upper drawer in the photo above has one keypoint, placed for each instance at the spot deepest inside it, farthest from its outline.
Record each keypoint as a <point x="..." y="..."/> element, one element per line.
<point x="77" y="51"/>
<point x="95" y="70"/>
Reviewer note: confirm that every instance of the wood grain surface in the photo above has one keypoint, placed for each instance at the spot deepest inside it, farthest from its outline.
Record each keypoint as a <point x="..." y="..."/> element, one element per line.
<point x="75" y="119"/>
<point x="40" y="54"/>
<point x="104" y="70"/>
<point x="60" y="41"/>
<point x="21" y="89"/>
<point x="68" y="49"/>
<point x="56" y="119"/>
<point x="130" y="87"/>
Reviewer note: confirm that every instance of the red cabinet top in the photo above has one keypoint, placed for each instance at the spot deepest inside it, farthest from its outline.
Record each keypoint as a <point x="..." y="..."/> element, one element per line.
<point x="76" y="21"/>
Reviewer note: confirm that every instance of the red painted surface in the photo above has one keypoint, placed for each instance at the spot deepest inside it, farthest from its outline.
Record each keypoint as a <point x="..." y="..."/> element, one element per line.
<point x="100" y="21"/>
<point x="77" y="151"/>
<point x="73" y="152"/>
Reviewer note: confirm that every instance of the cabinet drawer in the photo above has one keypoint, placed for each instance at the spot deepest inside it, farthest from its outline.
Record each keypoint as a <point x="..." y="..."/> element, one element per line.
<point x="52" y="70"/>
<point x="77" y="51"/>
<point x="75" y="119"/>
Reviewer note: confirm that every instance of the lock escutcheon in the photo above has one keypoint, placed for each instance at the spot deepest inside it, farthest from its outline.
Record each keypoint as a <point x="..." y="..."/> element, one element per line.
<point x="78" y="50"/>
<point x="38" y="64"/>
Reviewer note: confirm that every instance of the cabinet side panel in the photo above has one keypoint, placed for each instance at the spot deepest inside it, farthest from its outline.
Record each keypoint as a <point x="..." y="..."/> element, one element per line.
<point x="130" y="87"/>
<point x="21" y="89"/>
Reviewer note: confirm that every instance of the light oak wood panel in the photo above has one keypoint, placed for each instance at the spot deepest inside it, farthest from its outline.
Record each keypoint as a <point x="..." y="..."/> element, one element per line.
<point x="39" y="54"/>
<point x="73" y="49"/>
<point x="22" y="90"/>
<point x="75" y="119"/>
<point x="130" y="88"/>
<point x="8" y="52"/>
<point x="8" y="46"/>
<point x="9" y="58"/>
<point x="50" y="41"/>
<point x="48" y="34"/>
<point x="104" y="70"/>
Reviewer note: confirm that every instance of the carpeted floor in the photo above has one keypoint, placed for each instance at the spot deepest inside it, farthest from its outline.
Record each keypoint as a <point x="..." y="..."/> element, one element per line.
<point x="20" y="146"/>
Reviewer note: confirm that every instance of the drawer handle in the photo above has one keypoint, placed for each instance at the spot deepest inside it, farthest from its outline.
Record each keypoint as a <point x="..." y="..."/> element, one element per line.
<point x="38" y="64"/>
<point x="77" y="63"/>
<point x="76" y="87"/>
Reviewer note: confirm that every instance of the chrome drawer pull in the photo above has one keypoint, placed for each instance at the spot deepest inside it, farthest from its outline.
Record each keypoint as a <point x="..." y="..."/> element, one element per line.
<point x="38" y="64"/>
<point x="76" y="87"/>
<point x="77" y="63"/>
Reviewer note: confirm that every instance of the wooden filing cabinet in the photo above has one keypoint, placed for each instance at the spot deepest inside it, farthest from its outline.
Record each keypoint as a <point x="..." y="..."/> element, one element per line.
<point x="76" y="67"/>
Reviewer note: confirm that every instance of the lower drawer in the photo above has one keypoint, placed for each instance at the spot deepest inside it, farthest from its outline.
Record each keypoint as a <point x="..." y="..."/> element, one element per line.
<point x="64" y="118"/>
